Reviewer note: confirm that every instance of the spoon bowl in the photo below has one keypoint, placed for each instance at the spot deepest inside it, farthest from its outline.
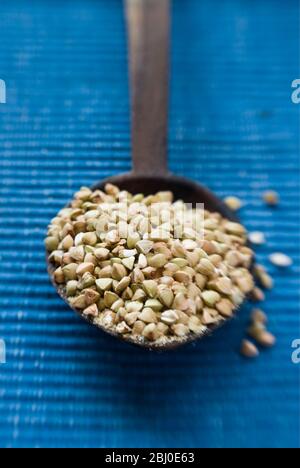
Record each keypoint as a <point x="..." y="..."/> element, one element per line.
<point x="183" y="189"/>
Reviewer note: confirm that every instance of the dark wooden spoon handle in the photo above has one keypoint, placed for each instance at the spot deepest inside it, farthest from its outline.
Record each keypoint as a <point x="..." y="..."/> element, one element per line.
<point x="148" y="24"/>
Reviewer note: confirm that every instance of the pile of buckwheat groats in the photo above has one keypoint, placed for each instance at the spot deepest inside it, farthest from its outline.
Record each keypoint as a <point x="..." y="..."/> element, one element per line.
<point x="147" y="268"/>
<point x="257" y="330"/>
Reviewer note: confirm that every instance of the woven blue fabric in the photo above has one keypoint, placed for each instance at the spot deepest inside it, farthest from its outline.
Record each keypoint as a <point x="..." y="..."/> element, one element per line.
<point x="234" y="128"/>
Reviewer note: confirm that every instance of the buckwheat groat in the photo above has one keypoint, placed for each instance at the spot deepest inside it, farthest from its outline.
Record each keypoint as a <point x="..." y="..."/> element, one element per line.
<point x="146" y="267"/>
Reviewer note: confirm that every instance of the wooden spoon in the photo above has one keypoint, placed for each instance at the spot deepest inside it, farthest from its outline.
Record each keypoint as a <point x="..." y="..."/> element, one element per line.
<point x="148" y="24"/>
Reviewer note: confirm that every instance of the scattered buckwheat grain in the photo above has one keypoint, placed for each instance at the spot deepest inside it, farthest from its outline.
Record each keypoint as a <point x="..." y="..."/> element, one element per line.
<point x="271" y="197"/>
<point x="280" y="260"/>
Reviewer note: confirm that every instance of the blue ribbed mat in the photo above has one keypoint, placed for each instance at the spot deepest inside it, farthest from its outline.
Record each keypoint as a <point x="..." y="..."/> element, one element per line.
<point x="233" y="127"/>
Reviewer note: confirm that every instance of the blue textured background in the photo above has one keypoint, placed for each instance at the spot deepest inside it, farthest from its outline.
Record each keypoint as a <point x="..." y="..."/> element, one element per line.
<point x="66" y="123"/>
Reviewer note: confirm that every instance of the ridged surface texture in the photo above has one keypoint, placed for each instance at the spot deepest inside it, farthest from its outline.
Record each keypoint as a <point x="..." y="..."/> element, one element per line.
<point x="234" y="128"/>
